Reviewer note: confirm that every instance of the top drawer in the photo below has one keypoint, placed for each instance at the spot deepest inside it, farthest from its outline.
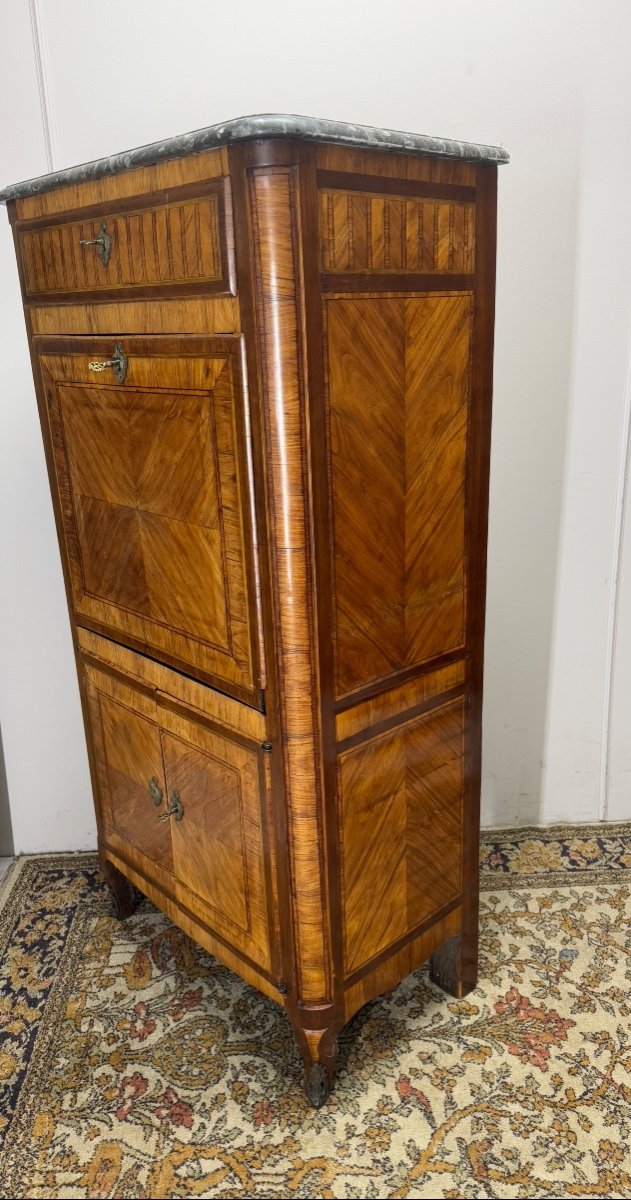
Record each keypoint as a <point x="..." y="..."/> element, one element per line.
<point x="136" y="246"/>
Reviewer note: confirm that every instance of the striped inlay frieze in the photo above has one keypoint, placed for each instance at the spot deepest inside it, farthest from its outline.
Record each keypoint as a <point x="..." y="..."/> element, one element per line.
<point x="363" y="232"/>
<point x="167" y="244"/>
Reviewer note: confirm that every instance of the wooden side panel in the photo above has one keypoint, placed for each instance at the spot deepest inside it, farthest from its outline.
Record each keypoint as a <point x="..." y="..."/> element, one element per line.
<point x="398" y="392"/>
<point x="387" y="973"/>
<point x="392" y="166"/>
<point x="153" y="488"/>
<point x="388" y="233"/>
<point x="400" y="799"/>
<point x="392" y="706"/>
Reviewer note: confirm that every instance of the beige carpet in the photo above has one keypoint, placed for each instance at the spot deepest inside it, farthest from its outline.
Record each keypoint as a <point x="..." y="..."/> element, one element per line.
<point x="133" y="1065"/>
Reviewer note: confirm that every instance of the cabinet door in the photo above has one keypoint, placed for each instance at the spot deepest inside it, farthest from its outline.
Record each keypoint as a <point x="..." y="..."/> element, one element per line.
<point x="131" y="785"/>
<point x="152" y="477"/>
<point x="218" y="844"/>
<point x="186" y="805"/>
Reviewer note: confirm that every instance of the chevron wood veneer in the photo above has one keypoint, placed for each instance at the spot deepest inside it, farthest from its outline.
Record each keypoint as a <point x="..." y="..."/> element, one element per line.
<point x="151" y="491"/>
<point x="400" y="797"/>
<point x="398" y="393"/>
<point x="267" y="424"/>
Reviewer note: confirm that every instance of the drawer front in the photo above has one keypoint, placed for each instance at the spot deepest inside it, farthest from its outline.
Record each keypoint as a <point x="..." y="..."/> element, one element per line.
<point x="185" y="803"/>
<point x="151" y="473"/>
<point x="133" y="247"/>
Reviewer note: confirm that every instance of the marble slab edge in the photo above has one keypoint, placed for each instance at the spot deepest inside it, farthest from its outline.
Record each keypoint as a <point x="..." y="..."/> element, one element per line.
<point x="264" y="125"/>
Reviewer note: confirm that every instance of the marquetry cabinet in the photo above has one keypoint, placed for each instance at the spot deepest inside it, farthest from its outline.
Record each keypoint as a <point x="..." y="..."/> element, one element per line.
<point x="263" y="360"/>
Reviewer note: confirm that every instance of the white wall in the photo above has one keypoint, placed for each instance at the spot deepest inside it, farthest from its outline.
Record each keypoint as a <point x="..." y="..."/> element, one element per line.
<point x="549" y="82"/>
<point x="45" y="756"/>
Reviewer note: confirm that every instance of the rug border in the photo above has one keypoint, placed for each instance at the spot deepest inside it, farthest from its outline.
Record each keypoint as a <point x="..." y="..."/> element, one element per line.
<point x="555" y="832"/>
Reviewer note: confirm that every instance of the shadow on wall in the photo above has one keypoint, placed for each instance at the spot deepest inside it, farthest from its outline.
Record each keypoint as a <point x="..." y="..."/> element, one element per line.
<point x="6" y="832"/>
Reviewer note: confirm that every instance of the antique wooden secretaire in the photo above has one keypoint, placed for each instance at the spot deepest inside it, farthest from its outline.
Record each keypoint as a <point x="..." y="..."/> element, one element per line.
<point x="263" y="360"/>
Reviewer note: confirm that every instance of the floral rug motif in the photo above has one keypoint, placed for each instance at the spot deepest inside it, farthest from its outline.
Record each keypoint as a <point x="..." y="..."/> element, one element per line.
<point x="133" y="1065"/>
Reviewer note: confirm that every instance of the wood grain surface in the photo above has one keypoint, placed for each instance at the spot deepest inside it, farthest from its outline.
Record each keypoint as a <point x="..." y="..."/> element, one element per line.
<point x="216" y="853"/>
<point x="152" y="477"/>
<point x="140" y="181"/>
<point x="276" y="265"/>
<point x="400" y="797"/>
<point x="398" y="393"/>
<point x="412" y="167"/>
<point x="207" y="315"/>
<point x="183" y="241"/>
<point x="392" y="706"/>
<point x="396" y="965"/>
<point x="227" y="713"/>
<point x="381" y="232"/>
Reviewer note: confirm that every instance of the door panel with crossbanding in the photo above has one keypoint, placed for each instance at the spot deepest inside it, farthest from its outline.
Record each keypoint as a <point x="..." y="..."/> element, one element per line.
<point x="190" y="800"/>
<point x="129" y="768"/>
<point x="152" y="477"/>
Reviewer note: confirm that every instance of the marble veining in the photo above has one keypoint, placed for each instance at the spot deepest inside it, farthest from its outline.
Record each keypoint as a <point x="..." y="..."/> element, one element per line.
<point x="263" y="125"/>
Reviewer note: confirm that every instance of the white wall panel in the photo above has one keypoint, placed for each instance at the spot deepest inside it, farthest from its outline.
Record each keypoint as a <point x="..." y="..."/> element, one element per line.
<point x="45" y="755"/>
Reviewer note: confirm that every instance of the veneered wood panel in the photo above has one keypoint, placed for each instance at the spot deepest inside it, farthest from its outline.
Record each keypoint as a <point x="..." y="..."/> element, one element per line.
<point x="398" y="392"/>
<point x="213" y="860"/>
<point x="426" y="169"/>
<point x="218" y="845"/>
<point x="274" y="202"/>
<point x="393" y="704"/>
<point x="208" y="315"/>
<point x="132" y="751"/>
<point x="365" y="233"/>
<point x="184" y="241"/>
<point x="141" y="180"/>
<point x="152" y="478"/>
<point x="379" y="978"/>
<point x="373" y="799"/>
<point x="128" y="753"/>
<point x="208" y="841"/>
<point x="226" y="712"/>
<point x="438" y="341"/>
<point x="400" y="798"/>
<point x="195" y="927"/>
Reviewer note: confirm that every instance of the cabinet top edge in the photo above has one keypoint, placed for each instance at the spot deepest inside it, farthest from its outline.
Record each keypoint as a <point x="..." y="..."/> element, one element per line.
<point x="261" y="125"/>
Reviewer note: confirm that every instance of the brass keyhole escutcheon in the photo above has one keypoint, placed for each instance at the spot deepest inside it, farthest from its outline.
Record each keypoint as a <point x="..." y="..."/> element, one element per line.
<point x="175" y="809"/>
<point x="117" y="363"/>
<point x="103" y="243"/>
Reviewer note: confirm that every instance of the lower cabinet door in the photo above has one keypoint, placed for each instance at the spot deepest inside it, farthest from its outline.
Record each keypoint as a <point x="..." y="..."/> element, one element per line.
<point x="185" y="804"/>
<point x="217" y="842"/>
<point x="132" y="792"/>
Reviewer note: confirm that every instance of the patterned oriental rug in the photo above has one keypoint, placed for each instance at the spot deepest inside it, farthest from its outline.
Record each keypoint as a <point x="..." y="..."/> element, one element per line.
<point x="133" y="1065"/>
